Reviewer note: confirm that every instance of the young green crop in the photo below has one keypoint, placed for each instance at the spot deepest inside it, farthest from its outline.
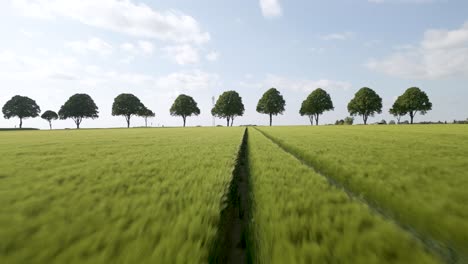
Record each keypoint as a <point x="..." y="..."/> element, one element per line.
<point x="113" y="195"/>
<point x="298" y="217"/>
<point x="417" y="174"/>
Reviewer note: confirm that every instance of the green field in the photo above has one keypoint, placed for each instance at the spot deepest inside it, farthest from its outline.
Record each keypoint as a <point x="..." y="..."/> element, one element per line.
<point x="337" y="194"/>
<point x="97" y="196"/>
<point x="417" y="175"/>
<point x="300" y="218"/>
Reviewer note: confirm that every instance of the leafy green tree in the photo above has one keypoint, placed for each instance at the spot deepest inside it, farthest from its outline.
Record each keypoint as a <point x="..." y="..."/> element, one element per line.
<point x="184" y="106"/>
<point x="316" y="103"/>
<point x="127" y="105"/>
<point x="413" y="101"/>
<point x="229" y="105"/>
<point x="398" y="109"/>
<point x="21" y="107"/>
<point x="339" y="122"/>
<point x="366" y="102"/>
<point x="146" y="113"/>
<point x="49" y="116"/>
<point x="271" y="103"/>
<point x="77" y="107"/>
<point x="348" y="120"/>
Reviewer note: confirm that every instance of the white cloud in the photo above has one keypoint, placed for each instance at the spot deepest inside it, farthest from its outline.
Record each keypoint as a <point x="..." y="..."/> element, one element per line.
<point x="66" y="69"/>
<point x="30" y="34"/>
<point x="48" y="67"/>
<point x="195" y="80"/>
<point x="301" y="85"/>
<point x="212" y="56"/>
<point x="140" y="47"/>
<point x="119" y="16"/>
<point x="338" y="36"/>
<point x="91" y="45"/>
<point x="271" y="8"/>
<point x="441" y="54"/>
<point x="128" y="47"/>
<point x="146" y="47"/>
<point x="183" y="54"/>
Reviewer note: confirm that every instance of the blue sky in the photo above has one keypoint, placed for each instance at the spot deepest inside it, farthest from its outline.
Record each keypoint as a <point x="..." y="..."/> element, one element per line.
<point x="52" y="49"/>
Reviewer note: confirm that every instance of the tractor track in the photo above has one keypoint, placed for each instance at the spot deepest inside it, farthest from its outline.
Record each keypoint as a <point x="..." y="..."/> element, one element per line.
<point x="232" y="242"/>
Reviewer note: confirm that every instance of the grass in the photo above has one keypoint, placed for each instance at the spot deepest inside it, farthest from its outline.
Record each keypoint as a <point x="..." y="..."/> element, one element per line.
<point x="417" y="174"/>
<point x="113" y="196"/>
<point x="157" y="195"/>
<point x="298" y="217"/>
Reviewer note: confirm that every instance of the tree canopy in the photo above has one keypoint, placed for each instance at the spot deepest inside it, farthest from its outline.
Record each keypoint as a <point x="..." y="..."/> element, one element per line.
<point x="271" y="103"/>
<point x="366" y="102"/>
<point x="398" y="110"/>
<point x="146" y="113"/>
<point x="184" y="106"/>
<point x="316" y="103"/>
<point x="49" y="115"/>
<point x="413" y="101"/>
<point x="127" y="105"/>
<point x="77" y="107"/>
<point x="21" y="107"/>
<point x="229" y="105"/>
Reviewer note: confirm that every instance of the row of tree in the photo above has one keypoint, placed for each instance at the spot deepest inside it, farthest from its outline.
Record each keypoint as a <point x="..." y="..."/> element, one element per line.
<point x="366" y="103"/>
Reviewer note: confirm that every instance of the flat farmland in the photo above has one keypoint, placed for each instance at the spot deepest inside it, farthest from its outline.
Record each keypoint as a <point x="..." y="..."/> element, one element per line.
<point x="113" y="195"/>
<point x="301" y="218"/>
<point x="330" y="194"/>
<point x="416" y="175"/>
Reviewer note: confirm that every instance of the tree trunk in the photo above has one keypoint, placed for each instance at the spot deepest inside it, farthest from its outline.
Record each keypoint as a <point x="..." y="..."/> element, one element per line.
<point x="232" y="120"/>
<point x="412" y="114"/>
<point x="146" y="121"/>
<point x="77" y="125"/>
<point x="128" y="121"/>
<point x="227" y="119"/>
<point x="311" y="119"/>
<point x="316" y="119"/>
<point x="50" y="125"/>
<point x="184" y="117"/>
<point x="271" y="119"/>
<point x="398" y="119"/>
<point x="364" y="117"/>
<point x="21" y="123"/>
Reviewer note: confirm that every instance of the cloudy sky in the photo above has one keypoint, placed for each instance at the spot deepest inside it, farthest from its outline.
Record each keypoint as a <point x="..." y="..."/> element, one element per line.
<point x="52" y="49"/>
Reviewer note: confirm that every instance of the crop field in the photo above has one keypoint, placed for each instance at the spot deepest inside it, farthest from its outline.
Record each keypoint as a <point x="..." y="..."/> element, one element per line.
<point x="98" y="196"/>
<point x="332" y="194"/>
<point x="418" y="175"/>
<point x="300" y="218"/>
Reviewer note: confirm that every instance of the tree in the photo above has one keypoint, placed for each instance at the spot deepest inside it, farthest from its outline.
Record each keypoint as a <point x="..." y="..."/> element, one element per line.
<point x="77" y="107"/>
<point x="49" y="116"/>
<point x="146" y="113"/>
<point x="271" y="103"/>
<point x="229" y="105"/>
<point x="366" y="102"/>
<point x="413" y="101"/>
<point x="316" y="103"/>
<point x="127" y="105"/>
<point x="21" y="107"/>
<point x="184" y="106"/>
<point x="348" y="120"/>
<point x="398" y="109"/>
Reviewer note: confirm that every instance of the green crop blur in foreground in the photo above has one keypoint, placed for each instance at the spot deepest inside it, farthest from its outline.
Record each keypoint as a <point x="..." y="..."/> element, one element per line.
<point x="298" y="217"/>
<point x="113" y="195"/>
<point x="417" y="174"/>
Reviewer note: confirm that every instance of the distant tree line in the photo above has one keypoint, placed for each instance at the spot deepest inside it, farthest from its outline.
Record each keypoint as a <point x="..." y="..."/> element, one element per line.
<point x="366" y="103"/>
